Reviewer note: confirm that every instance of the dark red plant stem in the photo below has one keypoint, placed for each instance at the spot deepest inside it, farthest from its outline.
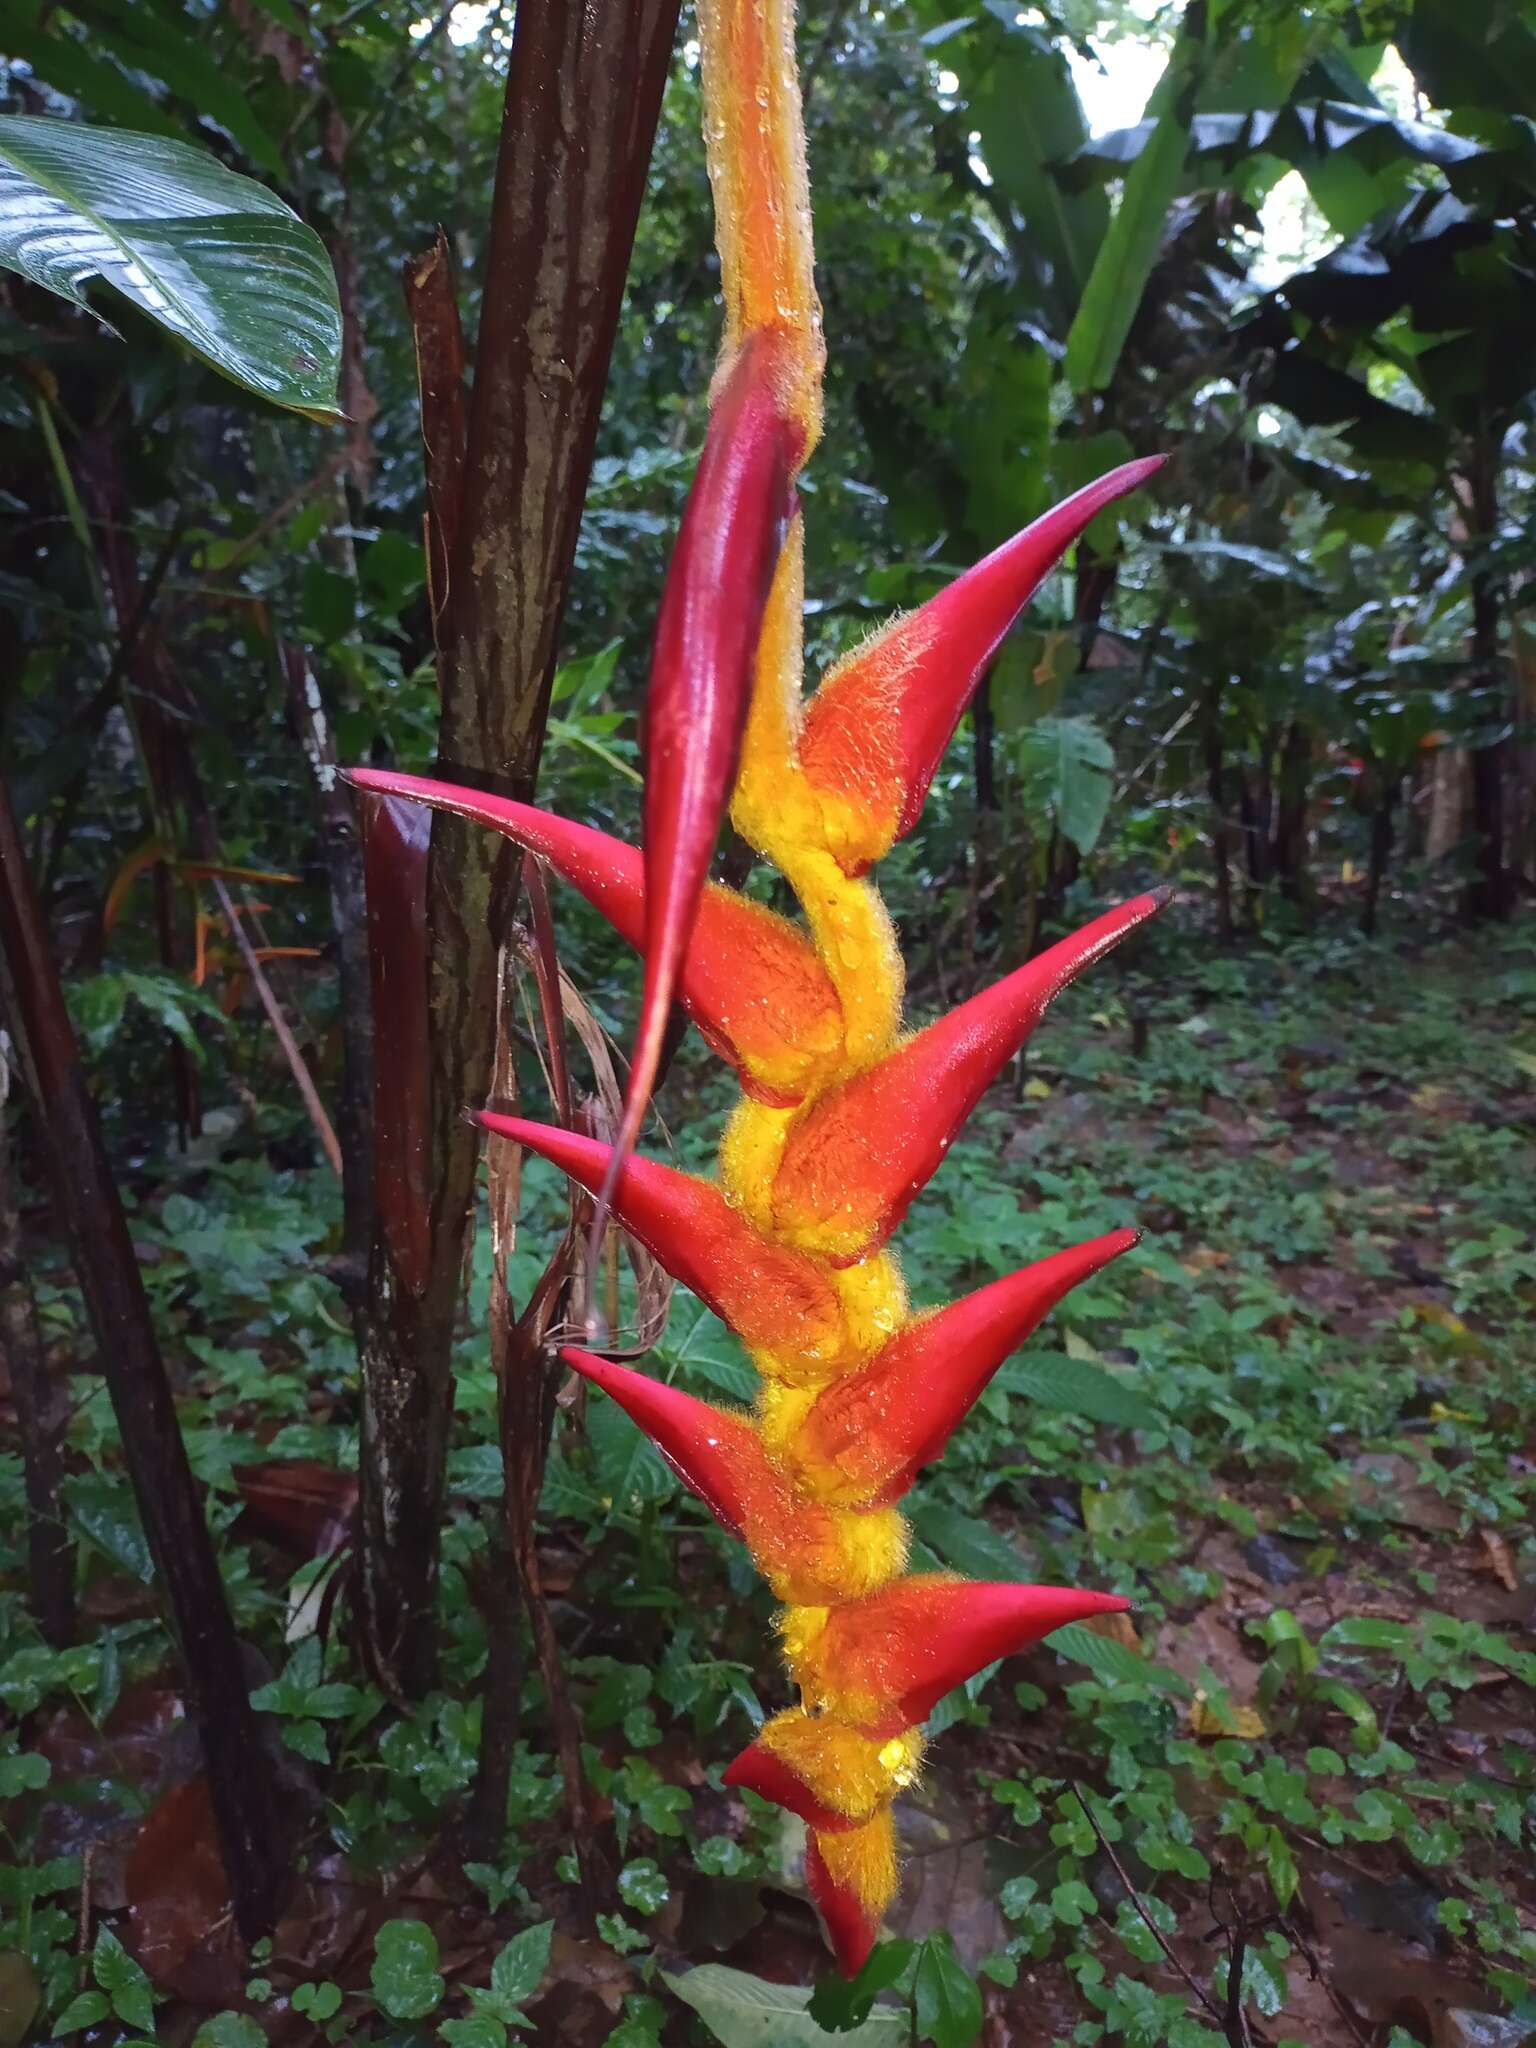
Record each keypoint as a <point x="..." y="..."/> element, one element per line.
<point x="396" y="836"/>
<point x="584" y="87"/>
<point x="240" y="1775"/>
<point x="42" y="1411"/>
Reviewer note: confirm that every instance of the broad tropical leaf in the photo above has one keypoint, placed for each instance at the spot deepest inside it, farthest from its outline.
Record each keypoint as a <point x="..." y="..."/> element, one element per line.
<point x="747" y="2012"/>
<point x="1072" y="764"/>
<point x="1124" y="263"/>
<point x="213" y="258"/>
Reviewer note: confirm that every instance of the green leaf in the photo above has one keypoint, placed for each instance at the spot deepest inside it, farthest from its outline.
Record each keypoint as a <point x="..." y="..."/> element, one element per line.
<point x="1366" y="1632"/>
<point x="319" y="2002"/>
<point x="89" y="2009"/>
<point x="967" y="1543"/>
<point x="328" y="605"/>
<point x="404" y="1974"/>
<point x="720" y="1856"/>
<point x="230" y="2030"/>
<point x="1281" y="1866"/>
<point x="147" y="40"/>
<point x="1029" y="117"/>
<point x="840" y="2004"/>
<point x="643" y="1885"/>
<point x="945" y="1995"/>
<point x="745" y="2012"/>
<point x="307" y="1739"/>
<point x="480" y="2030"/>
<point x="578" y="684"/>
<point x="1111" y="1662"/>
<point x="627" y="1466"/>
<point x="20" y="1774"/>
<point x="214" y="259"/>
<point x="518" y="1969"/>
<point x="104" y="1512"/>
<point x="1078" y="1388"/>
<point x="123" y="1980"/>
<point x="1113" y="294"/>
<point x="1070" y="765"/>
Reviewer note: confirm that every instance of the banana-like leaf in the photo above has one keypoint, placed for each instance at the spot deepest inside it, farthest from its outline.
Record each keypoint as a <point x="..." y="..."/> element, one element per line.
<point x="1113" y="292"/>
<point x="213" y="258"/>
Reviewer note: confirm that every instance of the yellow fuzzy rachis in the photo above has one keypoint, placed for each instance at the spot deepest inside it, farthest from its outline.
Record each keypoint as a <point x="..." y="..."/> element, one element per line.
<point x="863" y="1861"/>
<point x="811" y="1554"/>
<point x="849" y="1772"/>
<point x="815" y="806"/>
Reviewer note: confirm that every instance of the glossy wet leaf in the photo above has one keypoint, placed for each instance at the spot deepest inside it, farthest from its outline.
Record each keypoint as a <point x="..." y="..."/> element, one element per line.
<point x="1069" y="766"/>
<point x="1111" y="1662"/>
<point x="404" y="1974"/>
<point x="216" y="260"/>
<point x="124" y="1982"/>
<point x="967" y="1542"/>
<point x="230" y="2030"/>
<point x="945" y="1996"/>
<point x="746" y="2012"/>
<point x="643" y="1885"/>
<point x="518" y="1968"/>
<point x="1078" y="1388"/>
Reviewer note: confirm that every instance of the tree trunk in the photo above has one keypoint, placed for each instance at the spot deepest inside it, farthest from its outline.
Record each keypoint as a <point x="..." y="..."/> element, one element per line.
<point x="240" y="1773"/>
<point x="584" y="88"/>
<point x="1221" y="837"/>
<point x="1389" y="788"/>
<point x="42" y="1411"/>
<point x="1491" y="894"/>
<point x="1290" y="850"/>
<point x="980" y="913"/>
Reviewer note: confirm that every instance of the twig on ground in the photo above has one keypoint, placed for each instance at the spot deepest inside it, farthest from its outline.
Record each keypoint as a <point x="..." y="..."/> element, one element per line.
<point x="1135" y="1898"/>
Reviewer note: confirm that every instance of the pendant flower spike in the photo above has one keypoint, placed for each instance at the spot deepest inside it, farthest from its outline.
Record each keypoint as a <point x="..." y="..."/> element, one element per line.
<point x="843" y="1118"/>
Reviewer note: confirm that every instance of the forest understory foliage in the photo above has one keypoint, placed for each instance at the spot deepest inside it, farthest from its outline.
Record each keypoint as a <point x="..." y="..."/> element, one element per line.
<point x="364" y="1673"/>
<point x="1295" y="1427"/>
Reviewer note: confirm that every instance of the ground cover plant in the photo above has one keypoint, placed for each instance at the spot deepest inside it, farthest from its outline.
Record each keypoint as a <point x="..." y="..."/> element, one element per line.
<point x="1294" y="1428"/>
<point x="365" y="1674"/>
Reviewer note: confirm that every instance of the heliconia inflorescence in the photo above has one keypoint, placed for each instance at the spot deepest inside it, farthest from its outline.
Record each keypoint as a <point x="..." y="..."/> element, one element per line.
<point x="843" y="1116"/>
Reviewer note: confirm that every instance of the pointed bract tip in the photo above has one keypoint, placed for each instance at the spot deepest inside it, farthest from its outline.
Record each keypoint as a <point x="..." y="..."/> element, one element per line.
<point x="854" y="1160"/>
<point x="868" y="1434"/>
<point x="877" y="729"/>
<point x="717" y="1456"/>
<point x="758" y="1770"/>
<point x="851" y="1929"/>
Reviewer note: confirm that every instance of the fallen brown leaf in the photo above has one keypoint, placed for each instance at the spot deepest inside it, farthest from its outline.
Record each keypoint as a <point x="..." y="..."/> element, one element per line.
<point x="1498" y="1560"/>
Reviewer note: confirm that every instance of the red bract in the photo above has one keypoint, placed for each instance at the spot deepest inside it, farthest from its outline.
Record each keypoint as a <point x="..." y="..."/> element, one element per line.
<point x="866" y="1436"/>
<point x="882" y="1663"/>
<point x="701" y="670"/>
<point x="851" y="1922"/>
<point x="853" y="1162"/>
<point x="719" y="1456"/>
<point x="773" y="1296"/>
<point x="750" y="980"/>
<point x="877" y="728"/>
